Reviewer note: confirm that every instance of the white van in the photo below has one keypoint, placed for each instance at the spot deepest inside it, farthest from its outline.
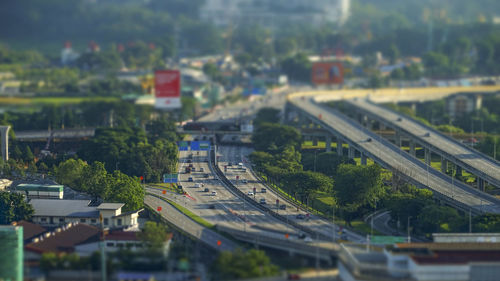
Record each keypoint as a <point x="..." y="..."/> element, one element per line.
<point x="197" y="185"/>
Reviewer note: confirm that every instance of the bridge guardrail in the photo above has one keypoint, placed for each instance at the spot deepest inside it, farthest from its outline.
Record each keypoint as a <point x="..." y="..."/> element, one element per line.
<point x="242" y="195"/>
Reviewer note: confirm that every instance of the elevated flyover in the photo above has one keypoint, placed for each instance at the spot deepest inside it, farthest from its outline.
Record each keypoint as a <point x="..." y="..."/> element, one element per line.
<point x="482" y="166"/>
<point x="55" y="134"/>
<point x="388" y="155"/>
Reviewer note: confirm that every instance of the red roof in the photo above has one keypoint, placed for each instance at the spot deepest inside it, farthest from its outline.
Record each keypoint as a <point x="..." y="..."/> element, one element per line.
<point x="458" y="257"/>
<point x="65" y="240"/>
<point x="30" y="230"/>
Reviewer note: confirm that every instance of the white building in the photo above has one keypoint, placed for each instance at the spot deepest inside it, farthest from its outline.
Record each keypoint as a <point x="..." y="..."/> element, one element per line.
<point x="421" y="262"/>
<point x="52" y="213"/>
<point x="270" y="12"/>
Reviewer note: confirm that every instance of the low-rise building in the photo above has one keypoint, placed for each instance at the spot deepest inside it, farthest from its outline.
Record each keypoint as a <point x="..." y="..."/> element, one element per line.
<point x="421" y="262"/>
<point x="53" y="213"/>
<point x="48" y="191"/>
<point x="11" y="248"/>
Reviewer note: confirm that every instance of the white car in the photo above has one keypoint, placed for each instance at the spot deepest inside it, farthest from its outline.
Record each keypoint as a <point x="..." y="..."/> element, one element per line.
<point x="214" y="193"/>
<point x="250" y="193"/>
<point x="244" y="181"/>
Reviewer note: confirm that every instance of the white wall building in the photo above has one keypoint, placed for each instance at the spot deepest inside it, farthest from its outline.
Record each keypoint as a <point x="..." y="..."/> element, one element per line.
<point x="52" y="213"/>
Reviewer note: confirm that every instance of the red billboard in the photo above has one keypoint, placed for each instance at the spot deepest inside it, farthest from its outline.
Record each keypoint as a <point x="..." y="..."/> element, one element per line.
<point x="327" y="73"/>
<point x="168" y="89"/>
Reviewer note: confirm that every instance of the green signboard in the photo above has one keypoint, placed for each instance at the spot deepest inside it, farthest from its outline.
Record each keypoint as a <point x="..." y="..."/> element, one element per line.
<point x="387" y="240"/>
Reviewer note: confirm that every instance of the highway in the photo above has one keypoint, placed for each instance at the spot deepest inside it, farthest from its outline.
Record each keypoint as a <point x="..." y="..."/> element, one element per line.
<point x="392" y="157"/>
<point x="224" y="208"/>
<point x="466" y="157"/>
<point x="174" y="216"/>
<point x="238" y="154"/>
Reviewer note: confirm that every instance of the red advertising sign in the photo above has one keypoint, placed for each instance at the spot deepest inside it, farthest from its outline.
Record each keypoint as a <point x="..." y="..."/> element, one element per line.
<point x="167" y="89"/>
<point x="327" y="73"/>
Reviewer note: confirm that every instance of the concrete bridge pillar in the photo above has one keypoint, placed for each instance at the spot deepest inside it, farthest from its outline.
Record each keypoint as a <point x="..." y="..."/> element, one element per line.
<point x="363" y="159"/>
<point x="444" y="165"/>
<point x="397" y="138"/>
<point x="427" y="156"/>
<point x="382" y="126"/>
<point x="4" y="133"/>
<point x="480" y="184"/>
<point x="351" y="152"/>
<point x="458" y="172"/>
<point x="315" y="141"/>
<point x="340" y="150"/>
<point x="328" y="143"/>
<point x="412" y="148"/>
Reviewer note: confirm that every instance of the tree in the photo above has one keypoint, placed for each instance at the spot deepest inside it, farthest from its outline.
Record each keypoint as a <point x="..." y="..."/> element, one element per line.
<point x="239" y="265"/>
<point x="13" y="207"/>
<point x="297" y="67"/>
<point x="434" y="218"/>
<point x="70" y="173"/>
<point x="125" y="189"/>
<point x="326" y="162"/>
<point x="274" y="138"/>
<point x="95" y="180"/>
<point x="267" y="115"/>
<point x="307" y="182"/>
<point x="358" y="185"/>
<point x="28" y="156"/>
<point x="154" y="235"/>
<point x="393" y="53"/>
<point x="436" y="64"/>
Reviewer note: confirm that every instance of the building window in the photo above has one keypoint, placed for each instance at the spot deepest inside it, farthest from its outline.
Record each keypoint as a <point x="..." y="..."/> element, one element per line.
<point x="93" y="220"/>
<point x="61" y="219"/>
<point x="83" y="220"/>
<point x="110" y="244"/>
<point x="43" y="219"/>
<point x="120" y="245"/>
<point x="119" y="221"/>
<point x="106" y="221"/>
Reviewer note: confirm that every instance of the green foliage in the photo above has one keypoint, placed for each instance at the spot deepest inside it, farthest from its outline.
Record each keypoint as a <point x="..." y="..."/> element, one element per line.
<point x="96" y="181"/>
<point x="239" y="264"/>
<point x="13" y="207"/>
<point x="297" y="67"/>
<point x="129" y="150"/>
<point x="325" y="162"/>
<point x="306" y="182"/>
<point x="450" y="129"/>
<point x="153" y="235"/>
<point x="267" y="115"/>
<point x="69" y="172"/>
<point x="358" y="185"/>
<point x="275" y="138"/>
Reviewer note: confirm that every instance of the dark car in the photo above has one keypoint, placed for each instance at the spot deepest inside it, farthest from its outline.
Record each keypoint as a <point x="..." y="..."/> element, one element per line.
<point x="206" y="190"/>
<point x="300" y="216"/>
<point x="212" y="206"/>
<point x="283" y="207"/>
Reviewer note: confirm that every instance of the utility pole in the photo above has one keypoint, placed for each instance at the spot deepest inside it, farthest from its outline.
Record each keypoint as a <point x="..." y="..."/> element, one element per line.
<point x="103" y="252"/>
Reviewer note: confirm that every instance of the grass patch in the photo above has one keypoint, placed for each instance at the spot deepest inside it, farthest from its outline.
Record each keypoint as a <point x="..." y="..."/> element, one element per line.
<point x="191" y="215"/>
<point x="53" y="100"/>
<point x="361" y="226"/>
